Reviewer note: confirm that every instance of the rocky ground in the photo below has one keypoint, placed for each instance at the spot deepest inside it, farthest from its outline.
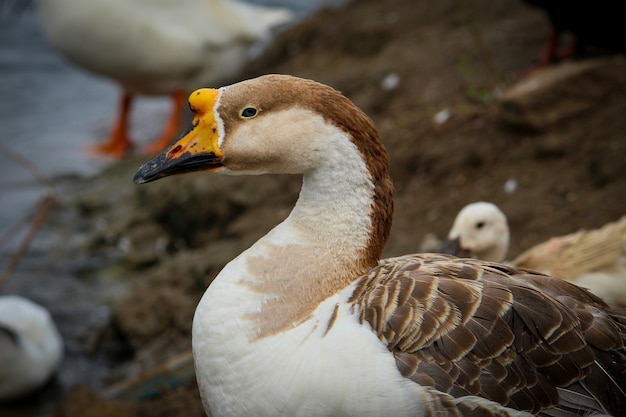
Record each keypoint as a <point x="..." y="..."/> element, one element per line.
<point x="466" y="117"/>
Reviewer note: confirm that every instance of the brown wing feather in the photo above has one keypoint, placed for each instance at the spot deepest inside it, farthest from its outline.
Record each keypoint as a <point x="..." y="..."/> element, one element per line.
<point x="516" y="337"/>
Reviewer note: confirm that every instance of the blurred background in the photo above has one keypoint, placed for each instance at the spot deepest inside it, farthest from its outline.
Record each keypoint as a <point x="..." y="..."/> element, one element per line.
<point x="464" y="98"/>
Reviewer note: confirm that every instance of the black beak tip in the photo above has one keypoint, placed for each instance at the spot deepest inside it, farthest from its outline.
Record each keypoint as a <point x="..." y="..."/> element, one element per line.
<point x="450" y="247"/>
<point x="139" y="179"/>
<point x="453" y="247"/>
<point x="149" y="171"/>
<point x="142" y="176"/>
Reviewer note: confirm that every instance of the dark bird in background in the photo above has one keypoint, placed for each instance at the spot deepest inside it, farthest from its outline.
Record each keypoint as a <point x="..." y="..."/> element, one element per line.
<point x="596" y="27"/>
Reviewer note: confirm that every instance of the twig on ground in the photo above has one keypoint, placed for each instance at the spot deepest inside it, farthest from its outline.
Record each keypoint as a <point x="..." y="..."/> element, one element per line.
<point x="39" y="217"/>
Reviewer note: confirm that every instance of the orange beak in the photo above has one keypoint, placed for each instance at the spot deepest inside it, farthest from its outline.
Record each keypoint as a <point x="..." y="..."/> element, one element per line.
<point x="196" y="150"/>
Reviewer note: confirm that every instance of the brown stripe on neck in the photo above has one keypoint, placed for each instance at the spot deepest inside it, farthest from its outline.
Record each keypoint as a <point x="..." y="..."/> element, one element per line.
<point x="340" y="111"/>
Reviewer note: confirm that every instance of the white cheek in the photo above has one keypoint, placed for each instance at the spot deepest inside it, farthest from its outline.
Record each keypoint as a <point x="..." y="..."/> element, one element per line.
<point x="269" y="141"/>
<point x="218" y="118"/>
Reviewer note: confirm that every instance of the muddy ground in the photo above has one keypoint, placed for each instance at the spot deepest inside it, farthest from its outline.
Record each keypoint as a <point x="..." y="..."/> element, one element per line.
<point x="403" y="62"/>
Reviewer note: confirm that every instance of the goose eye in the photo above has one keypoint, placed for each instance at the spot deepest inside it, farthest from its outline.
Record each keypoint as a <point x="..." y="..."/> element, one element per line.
<point x="248" y="112"/>
<point x="480" y="225"/>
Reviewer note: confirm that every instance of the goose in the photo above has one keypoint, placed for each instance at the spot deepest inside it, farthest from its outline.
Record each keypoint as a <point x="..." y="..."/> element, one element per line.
<point x="157" y="47"/>
<point x="309" y="321"/>
<point x="31" y="347"/>
<point x="594" y="259"/>
<point x="480" y="230"/>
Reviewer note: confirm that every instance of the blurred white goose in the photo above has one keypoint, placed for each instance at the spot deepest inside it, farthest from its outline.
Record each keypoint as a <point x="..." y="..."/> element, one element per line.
<point x="157" y="47"/>
<point x="594" y="259"/>
<point x="481" y="231"/>
<point x="310" y="322"/>
<point x="31" y="347"/>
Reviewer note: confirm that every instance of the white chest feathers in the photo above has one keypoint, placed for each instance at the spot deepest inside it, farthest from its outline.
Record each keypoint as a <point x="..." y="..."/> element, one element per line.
<point x="302" y="369"/>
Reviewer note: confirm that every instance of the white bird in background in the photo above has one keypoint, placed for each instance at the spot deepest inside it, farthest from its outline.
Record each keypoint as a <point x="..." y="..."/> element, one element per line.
<point x="31" y="347"/>
<point x="157" y="47"/>
<point x="309" y="321"/>
<point x="481" y="231"/>
<point x="594" y="259"/>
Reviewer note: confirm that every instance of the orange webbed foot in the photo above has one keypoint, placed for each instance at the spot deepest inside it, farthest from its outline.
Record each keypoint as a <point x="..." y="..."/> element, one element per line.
<point x="171" y="129"/>
<point x="118" y="144"/>
<point x="113" y="148"/>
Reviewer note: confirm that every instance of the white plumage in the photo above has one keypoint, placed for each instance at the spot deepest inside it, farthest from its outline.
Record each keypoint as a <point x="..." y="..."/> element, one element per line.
<point x="31" y="347"/>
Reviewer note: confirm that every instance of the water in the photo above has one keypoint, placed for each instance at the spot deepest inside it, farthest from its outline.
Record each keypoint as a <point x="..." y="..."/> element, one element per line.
<point x="50" y="111"/>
